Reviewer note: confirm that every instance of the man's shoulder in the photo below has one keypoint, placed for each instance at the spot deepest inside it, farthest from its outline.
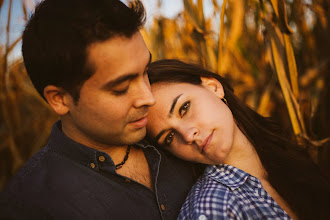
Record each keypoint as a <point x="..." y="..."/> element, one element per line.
<point x="32" y="166"/>
<point x="39" y="174"/>
<point x="171" y="166"/>
<point x="16" y="200"/>
<point x="49" y="182"/>
<point x="11" y="208"/>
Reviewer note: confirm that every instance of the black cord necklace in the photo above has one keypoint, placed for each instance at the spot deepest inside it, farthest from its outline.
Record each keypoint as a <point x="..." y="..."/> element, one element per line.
<point x="118" y="166"/>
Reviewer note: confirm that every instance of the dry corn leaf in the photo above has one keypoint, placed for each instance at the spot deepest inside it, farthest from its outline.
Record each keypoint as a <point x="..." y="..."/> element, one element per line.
<point x="212" y="59"/>
<point x="291" y="103"/>
<point x="321" y="14"/>
<point x="263" y="108"/>
<point x="221" y="37"/>
<point x="193" y="13"/>
<point x="237" y="24"/>
<point x="280" y="12"/>
<point x="24" y="10"/>
<point x="230" y="47"/>
<point x="292" y="65"/>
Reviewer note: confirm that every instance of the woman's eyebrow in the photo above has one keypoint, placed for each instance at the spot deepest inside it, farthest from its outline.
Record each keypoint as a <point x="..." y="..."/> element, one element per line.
<point x="175" y="100"/>
<point x="159" y="135"/>
<point x="150" y="59"/>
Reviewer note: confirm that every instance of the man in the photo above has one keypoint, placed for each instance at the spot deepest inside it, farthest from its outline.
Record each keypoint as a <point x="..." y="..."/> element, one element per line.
<point x="89" y="61"/>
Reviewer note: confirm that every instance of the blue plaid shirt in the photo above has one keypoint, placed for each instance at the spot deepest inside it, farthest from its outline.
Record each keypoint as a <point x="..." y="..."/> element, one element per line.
<point x="225" y="192"/>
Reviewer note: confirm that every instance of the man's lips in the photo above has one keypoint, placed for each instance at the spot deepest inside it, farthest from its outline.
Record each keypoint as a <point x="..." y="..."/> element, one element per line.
<point x="141" y="122"/>
<point x="206" y="143"/>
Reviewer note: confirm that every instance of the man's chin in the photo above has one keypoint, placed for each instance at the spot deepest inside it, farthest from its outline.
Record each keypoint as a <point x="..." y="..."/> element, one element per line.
<point x="136" y="136"/>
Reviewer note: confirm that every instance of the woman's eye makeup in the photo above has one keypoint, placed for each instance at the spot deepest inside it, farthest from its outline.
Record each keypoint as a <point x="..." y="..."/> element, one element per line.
<point x="169" y="138"/>
<point x="184" y="108"/>
<point x="182" y="111"/>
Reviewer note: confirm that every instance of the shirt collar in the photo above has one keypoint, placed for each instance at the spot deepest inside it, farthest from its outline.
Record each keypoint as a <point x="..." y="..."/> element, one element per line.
<point x="80" y="153"/>
<point x="227" y="175"/>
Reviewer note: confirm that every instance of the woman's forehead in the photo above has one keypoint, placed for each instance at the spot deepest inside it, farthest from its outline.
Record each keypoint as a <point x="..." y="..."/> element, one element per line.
<point x="164" y="95"/>
<point x="169" y="86"/>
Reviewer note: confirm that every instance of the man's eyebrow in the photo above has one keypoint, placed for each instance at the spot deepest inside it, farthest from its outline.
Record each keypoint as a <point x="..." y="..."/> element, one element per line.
<point x="175" y="100"/>
<point x="119" y="80"/>
<point x="124" y="78"/>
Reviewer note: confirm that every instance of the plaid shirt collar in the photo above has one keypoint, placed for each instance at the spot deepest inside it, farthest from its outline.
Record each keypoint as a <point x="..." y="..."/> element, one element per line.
<point x="224" y="174"/>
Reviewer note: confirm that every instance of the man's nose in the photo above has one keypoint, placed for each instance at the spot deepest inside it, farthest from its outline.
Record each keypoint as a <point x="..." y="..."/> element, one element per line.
<point x="144" y="96"/>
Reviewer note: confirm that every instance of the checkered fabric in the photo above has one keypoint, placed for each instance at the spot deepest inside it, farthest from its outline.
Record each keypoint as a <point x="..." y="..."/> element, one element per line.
<point x="226" y="192"/>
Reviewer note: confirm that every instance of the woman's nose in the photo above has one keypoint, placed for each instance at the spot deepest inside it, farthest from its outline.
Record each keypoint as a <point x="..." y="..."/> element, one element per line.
<point x="189" y="134"/>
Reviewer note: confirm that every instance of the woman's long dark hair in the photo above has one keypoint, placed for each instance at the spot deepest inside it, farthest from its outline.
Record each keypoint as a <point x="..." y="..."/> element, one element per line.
<point x="290" y="170"/>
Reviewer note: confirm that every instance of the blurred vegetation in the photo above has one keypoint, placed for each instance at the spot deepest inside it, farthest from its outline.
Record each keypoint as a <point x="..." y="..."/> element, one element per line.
<point x="275" y="53"/>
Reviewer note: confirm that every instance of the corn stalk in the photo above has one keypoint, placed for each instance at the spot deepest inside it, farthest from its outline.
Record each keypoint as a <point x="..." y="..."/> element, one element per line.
<point x="18" y="99"/>
<point x="284" y="65"/>
<point x="10" y="113"/>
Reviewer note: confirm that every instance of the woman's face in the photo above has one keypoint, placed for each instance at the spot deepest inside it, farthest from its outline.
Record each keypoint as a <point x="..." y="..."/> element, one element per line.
<point x="192" y="122"/>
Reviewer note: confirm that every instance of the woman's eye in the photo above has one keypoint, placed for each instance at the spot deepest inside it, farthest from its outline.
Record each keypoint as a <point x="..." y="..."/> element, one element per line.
<point x="184" y="108"/>
<point x="169" y="138"/>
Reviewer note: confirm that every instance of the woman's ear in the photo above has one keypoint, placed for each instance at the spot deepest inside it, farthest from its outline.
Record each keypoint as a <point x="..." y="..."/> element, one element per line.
<point x="213" y="85"/>
<point x="58" y="99"/>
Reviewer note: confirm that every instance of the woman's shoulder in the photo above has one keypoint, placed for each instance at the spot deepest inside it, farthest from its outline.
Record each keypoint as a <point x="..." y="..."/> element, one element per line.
<point x="209" y="185"/>
<point x="226" y="192"/>
<point x="210" y="198"/>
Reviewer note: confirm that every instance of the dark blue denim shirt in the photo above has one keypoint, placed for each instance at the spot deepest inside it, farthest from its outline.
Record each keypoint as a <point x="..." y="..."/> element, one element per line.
<point x="60" y="182"/>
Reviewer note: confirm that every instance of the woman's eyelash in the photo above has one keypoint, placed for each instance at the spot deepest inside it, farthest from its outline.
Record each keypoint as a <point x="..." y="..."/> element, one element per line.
<point x="184" y="108"/>
<point x="182" y="111"/>
<point x="169" y="138"/>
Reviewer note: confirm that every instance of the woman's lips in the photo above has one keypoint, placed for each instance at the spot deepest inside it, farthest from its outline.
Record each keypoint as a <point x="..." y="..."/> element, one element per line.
<point x="206" y="142"/>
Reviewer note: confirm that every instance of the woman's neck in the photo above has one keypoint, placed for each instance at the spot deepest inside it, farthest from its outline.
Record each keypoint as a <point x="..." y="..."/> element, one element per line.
<point x="244" y="156"/>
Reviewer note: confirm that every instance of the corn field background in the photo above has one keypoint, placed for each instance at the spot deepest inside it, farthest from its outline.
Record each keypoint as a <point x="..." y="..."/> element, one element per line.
<point x="274" y="52"/>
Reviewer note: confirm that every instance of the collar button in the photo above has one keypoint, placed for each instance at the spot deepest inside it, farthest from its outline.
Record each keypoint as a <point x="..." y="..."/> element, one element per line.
<point x="92" y="165"/>
<point x="101" y="158"/>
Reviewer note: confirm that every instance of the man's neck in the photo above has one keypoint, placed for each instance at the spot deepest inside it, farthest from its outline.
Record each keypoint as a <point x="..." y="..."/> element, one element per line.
<point x="117" y="153"/>
<point x="136" y="167"/>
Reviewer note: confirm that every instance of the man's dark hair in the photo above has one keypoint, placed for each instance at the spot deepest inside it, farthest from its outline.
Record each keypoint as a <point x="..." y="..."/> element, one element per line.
<point x="57" y="35"/>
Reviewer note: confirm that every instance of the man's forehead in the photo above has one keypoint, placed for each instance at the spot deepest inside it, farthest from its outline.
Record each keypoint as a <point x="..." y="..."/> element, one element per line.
<point x="117" y="40"/>
<point x="118" y="56"/>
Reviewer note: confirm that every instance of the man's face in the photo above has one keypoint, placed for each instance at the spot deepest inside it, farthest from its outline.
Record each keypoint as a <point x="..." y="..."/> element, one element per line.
<point x="113" y="105"/>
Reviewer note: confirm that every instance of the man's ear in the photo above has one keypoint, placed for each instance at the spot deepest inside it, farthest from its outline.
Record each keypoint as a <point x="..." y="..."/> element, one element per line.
<point x="58" y="99"/>
<point x="213" y="85"/>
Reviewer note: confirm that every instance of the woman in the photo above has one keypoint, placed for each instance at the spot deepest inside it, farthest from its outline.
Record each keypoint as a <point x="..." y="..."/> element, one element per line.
<point x="254" y="172"/>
